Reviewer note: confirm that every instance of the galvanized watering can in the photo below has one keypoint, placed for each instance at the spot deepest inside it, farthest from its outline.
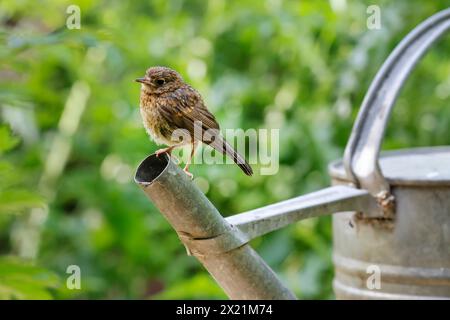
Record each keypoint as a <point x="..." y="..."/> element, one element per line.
<point x="391" y="220"/>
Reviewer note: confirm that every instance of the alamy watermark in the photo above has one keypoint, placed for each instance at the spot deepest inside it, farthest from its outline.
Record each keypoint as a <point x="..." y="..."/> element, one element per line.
<point x="259" y="146"/>
<point x="73" y="281"/>
<point x="374" y="279"/>
<point x="374" y="17"/>
<point x="73" y="21"/>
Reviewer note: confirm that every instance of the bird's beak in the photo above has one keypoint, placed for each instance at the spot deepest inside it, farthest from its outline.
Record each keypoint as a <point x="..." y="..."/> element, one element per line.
<point x="142" y="80"/>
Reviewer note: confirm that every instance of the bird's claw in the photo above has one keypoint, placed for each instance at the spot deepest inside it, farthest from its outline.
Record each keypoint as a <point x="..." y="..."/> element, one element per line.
<point x="160" y="152"/>
<point x="167" y="151"/>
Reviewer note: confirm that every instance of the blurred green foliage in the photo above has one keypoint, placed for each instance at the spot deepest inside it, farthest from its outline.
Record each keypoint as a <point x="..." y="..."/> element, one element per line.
<point x="301" y="66"/>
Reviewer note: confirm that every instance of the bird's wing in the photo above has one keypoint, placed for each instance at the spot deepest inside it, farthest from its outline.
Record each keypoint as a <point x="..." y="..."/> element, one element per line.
<point x="183" y="107"/>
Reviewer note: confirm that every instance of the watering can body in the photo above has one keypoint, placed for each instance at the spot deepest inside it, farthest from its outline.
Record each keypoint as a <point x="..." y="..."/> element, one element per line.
<point x="407" y="256"/>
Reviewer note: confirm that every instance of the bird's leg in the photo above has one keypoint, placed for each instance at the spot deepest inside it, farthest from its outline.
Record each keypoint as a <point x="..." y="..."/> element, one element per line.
<point x="167" y="150"/>
<point x="188" y="163"/>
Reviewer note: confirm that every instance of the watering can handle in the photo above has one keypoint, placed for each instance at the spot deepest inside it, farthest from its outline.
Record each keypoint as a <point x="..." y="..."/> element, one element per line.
<point x="363" y="147"/>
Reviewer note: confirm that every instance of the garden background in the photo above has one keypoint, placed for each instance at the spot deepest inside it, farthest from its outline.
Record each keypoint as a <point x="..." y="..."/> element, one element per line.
<point x="71" y="135"/>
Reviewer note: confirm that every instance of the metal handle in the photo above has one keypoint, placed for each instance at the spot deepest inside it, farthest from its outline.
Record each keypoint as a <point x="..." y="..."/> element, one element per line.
<point x="363" y="147"/>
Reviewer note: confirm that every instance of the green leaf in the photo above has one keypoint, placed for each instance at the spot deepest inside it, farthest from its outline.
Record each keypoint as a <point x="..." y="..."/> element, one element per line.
<point x="22" y="280"/>
<point x="15" y="201"/>
<point x="7" y="141"/>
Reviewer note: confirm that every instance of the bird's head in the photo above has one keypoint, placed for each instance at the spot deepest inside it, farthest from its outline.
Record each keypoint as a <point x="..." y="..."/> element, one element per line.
<point x="159" y="80"/>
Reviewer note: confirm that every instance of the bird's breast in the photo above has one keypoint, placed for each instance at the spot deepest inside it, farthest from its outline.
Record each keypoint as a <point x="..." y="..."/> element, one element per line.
<point x="154" y="122"/>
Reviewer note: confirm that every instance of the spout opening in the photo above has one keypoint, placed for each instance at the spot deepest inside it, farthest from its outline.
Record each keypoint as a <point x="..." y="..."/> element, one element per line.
<point x="151" y="168"/>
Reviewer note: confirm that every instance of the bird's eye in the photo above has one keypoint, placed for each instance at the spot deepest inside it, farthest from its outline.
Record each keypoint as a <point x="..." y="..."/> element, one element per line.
<point x="160" y="82"/>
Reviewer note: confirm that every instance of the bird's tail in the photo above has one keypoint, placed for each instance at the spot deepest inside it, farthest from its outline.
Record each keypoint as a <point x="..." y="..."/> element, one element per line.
<point x="224" y="147"/>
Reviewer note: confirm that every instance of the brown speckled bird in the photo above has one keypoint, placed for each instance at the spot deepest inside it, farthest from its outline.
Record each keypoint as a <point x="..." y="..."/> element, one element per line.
<point x="167" y="103"/>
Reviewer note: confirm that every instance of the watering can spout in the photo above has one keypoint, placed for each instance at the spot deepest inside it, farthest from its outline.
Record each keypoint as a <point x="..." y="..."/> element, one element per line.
<point x="219" y="246"/>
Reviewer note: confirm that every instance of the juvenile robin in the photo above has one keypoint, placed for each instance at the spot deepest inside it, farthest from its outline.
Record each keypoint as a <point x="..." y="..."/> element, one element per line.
<point x="169" y="106"/>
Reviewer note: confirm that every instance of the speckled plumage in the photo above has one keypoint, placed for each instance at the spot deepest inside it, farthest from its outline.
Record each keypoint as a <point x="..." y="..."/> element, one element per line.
<point x="167" y="103"/>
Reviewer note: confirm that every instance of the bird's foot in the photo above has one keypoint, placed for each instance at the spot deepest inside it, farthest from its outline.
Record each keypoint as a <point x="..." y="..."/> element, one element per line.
<point x="167" y="151"/>
<point x="164" y="150"/>
<point x="190" y="175"/>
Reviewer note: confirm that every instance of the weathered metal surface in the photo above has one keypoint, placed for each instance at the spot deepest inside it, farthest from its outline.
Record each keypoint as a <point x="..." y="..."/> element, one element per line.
<point x="412" y="253"/>
<point x="237" y="268"/>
